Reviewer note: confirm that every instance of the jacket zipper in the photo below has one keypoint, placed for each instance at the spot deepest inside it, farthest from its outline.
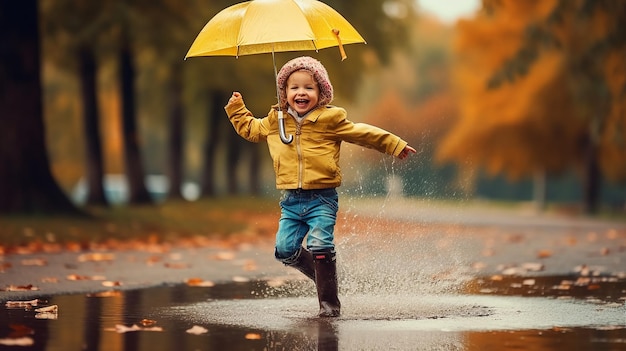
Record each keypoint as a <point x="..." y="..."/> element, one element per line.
<point x="299" y="153"/>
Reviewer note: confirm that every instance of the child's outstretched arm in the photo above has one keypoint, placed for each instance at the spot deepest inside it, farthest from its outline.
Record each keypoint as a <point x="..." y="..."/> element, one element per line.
<point x="406" y="152"/>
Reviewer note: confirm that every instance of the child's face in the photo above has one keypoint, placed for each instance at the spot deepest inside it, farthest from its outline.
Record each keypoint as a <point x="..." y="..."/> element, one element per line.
<point x="302" y="92"/>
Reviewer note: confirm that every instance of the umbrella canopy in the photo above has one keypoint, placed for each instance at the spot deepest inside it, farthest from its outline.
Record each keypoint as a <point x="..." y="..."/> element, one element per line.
<point x="267" y="26"/>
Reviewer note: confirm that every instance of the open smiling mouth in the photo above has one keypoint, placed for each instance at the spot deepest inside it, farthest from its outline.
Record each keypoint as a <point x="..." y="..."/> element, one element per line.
<point x="301" y="101"/>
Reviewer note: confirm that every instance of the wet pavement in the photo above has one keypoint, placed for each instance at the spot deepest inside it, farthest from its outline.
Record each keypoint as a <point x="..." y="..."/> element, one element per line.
<point x="468" y="280"/>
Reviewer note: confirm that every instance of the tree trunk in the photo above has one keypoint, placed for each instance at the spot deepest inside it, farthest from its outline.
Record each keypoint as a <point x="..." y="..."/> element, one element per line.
<point x="254" y="170"/>
<point x="591" y="179"/>
<point x="216" y="114"/>
<point x="175" y="150"/>
<point x="233" y="155"/>
<point x="26" y="182"/>
<point x="94" y="161"/>
<point x="539" y="190"/>
<point x="138" y="194"/>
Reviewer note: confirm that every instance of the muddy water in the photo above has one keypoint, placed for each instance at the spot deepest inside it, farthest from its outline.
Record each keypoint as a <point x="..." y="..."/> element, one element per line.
<point x="482" y="315"/>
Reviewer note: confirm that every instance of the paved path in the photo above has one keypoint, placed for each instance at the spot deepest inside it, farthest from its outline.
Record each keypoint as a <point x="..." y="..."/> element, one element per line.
<point x="377" y="238"/>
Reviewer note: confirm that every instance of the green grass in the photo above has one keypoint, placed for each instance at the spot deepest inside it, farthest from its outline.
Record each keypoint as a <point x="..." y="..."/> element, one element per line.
<point x="217" y="218"/>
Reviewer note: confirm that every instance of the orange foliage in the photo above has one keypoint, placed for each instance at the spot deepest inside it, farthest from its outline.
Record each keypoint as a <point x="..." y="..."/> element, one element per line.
<point x="391" y="113"/>
<point x="422" y="125"/>
<point x="436" y="115"/>
<point x="517" y="128"/>
<point x="536" y="121"/>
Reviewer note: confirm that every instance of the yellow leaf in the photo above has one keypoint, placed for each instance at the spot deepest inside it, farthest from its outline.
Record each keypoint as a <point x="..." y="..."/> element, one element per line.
<point x="253" y="336"/>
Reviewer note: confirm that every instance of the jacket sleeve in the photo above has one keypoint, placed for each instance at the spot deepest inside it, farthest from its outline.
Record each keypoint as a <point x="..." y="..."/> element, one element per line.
<point x="367" y="135"/>
<point x="246" y="125"/>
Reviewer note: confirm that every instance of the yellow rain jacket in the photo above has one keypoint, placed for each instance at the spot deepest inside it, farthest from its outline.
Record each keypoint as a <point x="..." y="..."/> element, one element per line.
<point x="311" y="160"/>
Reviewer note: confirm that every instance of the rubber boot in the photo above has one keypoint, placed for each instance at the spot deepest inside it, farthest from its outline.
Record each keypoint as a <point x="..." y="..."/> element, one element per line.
<point x="303" y="261"/>
<point x="326" y="281"/>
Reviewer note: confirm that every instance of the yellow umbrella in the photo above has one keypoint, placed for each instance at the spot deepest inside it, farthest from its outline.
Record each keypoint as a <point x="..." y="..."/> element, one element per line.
<point x="269" y="26"/>
<point x="265" y="26"/>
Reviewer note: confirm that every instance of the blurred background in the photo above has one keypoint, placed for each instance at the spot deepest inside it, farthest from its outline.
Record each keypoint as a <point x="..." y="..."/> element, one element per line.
<point x="504" y="100"/>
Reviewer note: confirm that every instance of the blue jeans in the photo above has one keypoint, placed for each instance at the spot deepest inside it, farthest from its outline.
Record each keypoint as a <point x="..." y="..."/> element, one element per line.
<point x="312" y="212"/>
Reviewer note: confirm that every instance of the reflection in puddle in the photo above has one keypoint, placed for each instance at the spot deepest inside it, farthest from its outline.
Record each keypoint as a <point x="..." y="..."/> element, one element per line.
<point x="599" y="289"/>
<point x="250" y="316"/>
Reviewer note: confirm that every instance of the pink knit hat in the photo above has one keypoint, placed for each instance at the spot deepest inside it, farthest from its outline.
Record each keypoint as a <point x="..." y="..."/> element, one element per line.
<point x="315" y="68"/>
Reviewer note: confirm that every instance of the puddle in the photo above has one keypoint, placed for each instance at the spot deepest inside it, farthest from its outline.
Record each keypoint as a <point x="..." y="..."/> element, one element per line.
<point x="501" y="314"/>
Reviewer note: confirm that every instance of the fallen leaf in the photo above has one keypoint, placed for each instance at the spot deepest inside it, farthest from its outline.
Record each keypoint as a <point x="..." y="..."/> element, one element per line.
<point x="200" y="282"/>
<point x="274" y="283"/>
<point x="611" y="234"/>
<point x="479" y="265"/>
<point x="119" y="328"/>
<point x="582" y="270"/>
<point x="34" y="262"/>
<point x="51" y="308"/>
<point x="592" y="236"/>
<point x="609" y="327"/>
<point x="96" y="257"/>
<point x="516" y="238"/>
<point x="197" y="330"/>
<point x="514" y="271"/>
<point x="148" y="322"/>
<point x="177" y="265"/>
<point x="111" y="293"/>
<point x="110" y="284"/>
<point x="153" y="259"/>
<point x="22" y="304"/>
<point x="23" y="341"/>
<point x="249" y="266"/>
<point x="176" y="256"/>
<point x="533" y="267"/>
<point x="48" y="312"/>
<point x="544" y="254"/>
<point x="253" y="336"/>
<point x="581" y="281"/>
<point x="85" y="277"/>
<point x="225" y="256"/>
<point x="561" y="287"/>
<point x="4" y="266"/>
<point x="28" y="287"/>
<point x="73" y="247"/>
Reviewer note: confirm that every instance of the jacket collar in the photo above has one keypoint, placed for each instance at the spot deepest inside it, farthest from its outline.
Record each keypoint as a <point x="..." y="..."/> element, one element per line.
<point x="311" y="116"/>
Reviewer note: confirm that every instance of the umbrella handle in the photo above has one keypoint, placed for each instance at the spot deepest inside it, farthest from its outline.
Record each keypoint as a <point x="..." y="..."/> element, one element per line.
<point x="286" y="139"/>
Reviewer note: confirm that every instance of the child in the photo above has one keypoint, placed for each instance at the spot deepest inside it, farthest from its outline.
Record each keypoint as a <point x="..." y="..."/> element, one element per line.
<point x="307" y="169"/>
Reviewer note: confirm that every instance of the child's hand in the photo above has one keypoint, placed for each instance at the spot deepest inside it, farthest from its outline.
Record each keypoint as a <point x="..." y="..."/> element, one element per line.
<point x="406" y="152"/>
<point x="236" y="97"/>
